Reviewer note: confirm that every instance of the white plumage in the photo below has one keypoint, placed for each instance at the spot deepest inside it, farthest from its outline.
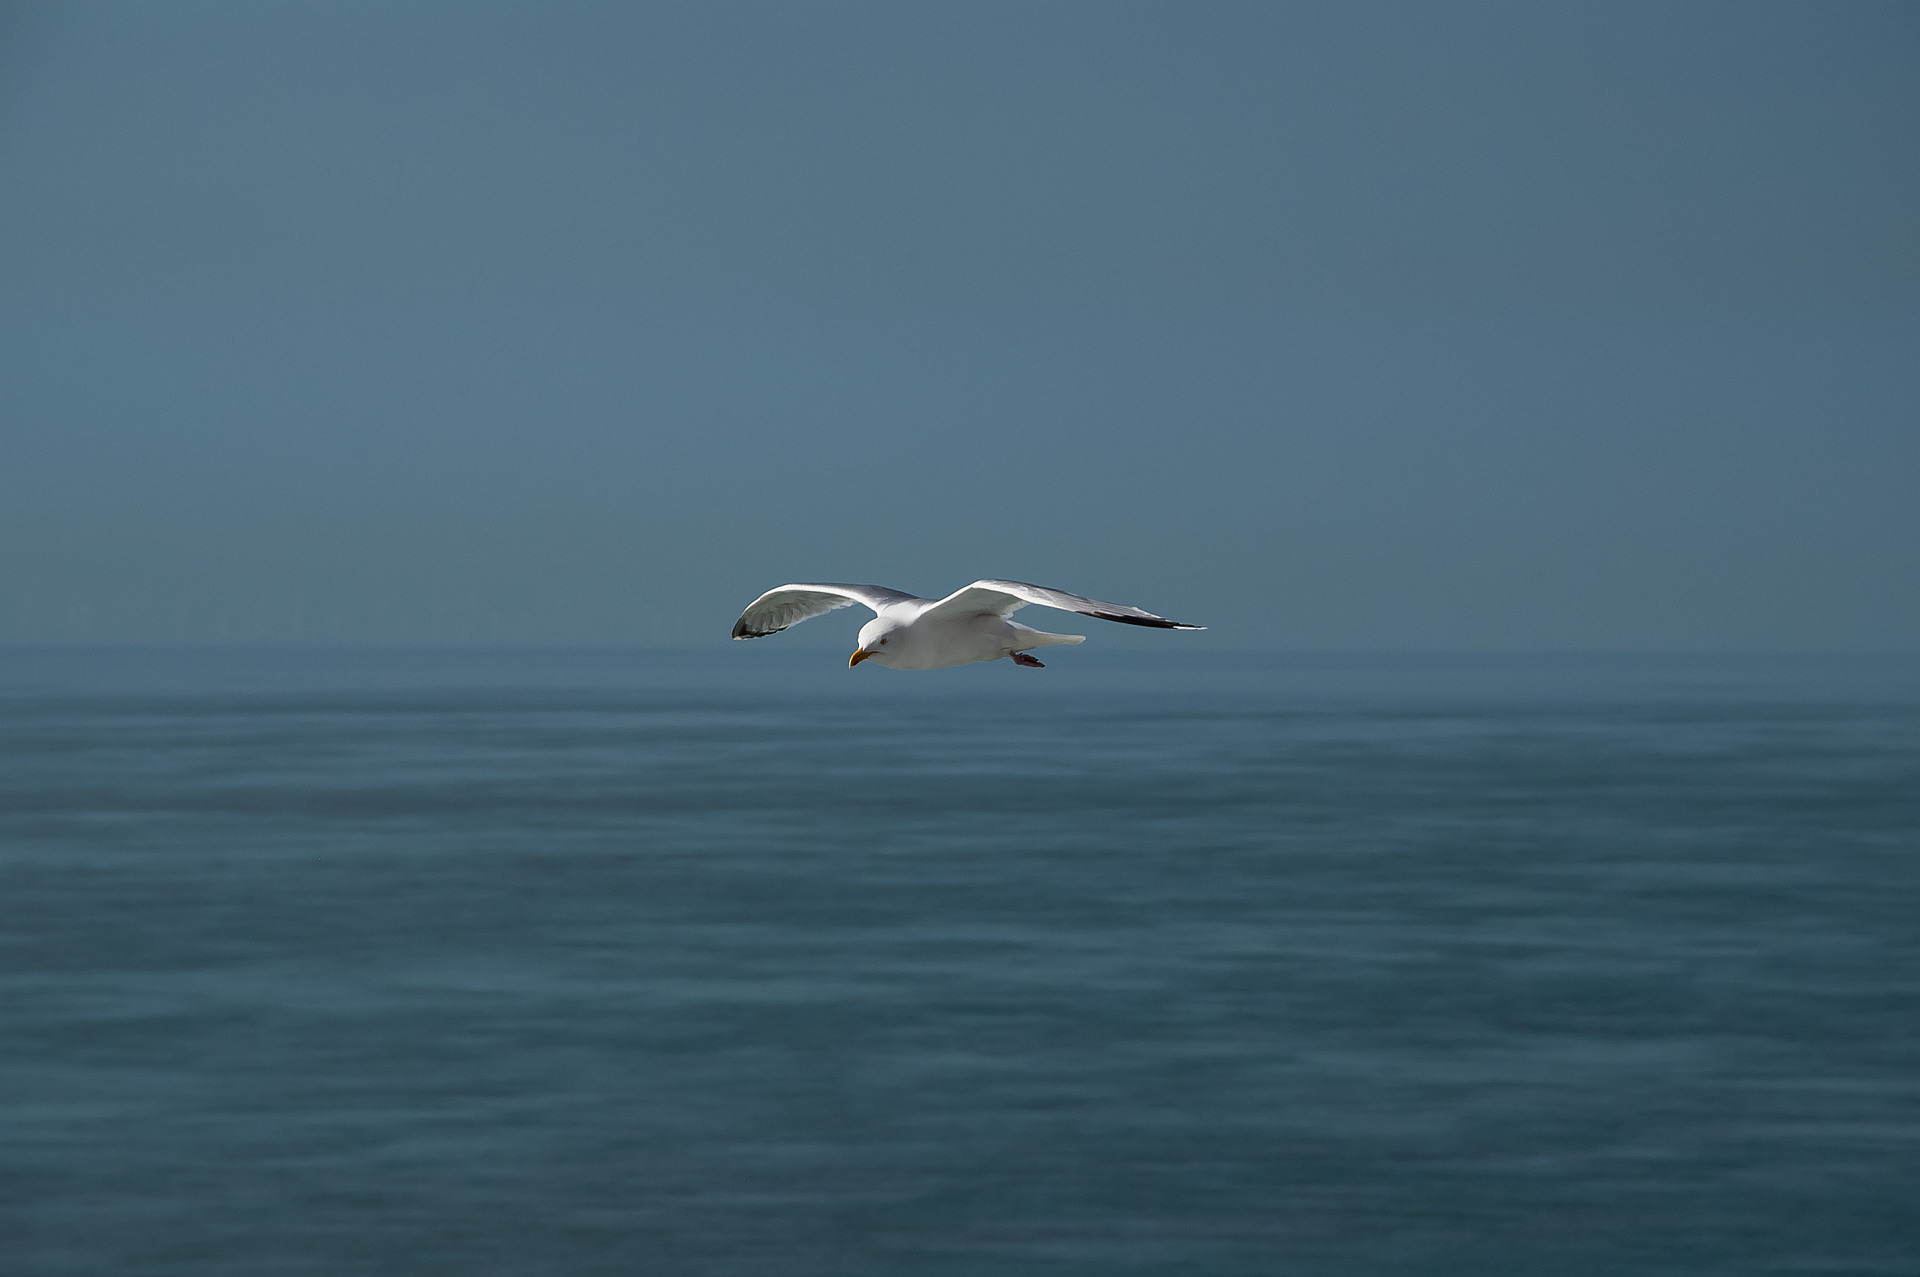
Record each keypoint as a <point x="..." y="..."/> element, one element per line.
<point x="912" y="633"/>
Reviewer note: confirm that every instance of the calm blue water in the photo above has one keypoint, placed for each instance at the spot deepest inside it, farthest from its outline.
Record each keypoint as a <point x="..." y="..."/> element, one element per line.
<point x="745" y="963"/>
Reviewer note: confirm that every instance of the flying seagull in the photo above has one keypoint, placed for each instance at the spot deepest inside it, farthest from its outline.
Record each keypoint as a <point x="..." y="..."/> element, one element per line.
<point x="911" y="633"/>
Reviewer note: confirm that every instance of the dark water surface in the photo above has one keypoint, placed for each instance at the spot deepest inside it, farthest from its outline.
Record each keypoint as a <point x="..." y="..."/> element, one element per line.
<point x="744" y="963"/>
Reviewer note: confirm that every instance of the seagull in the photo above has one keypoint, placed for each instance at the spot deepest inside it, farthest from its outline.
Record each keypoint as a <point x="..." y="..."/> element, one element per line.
<point x="911" y="633"/>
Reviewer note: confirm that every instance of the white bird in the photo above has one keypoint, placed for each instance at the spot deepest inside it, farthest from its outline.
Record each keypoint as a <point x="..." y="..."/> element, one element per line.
<point x="912" y="633"/>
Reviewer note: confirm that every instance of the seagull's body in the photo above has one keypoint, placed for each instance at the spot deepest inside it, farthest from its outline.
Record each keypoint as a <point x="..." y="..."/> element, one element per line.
<point x="912" y="633"/>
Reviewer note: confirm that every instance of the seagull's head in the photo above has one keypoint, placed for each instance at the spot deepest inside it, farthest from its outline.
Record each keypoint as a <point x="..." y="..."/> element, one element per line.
<point x="879" y="639"/>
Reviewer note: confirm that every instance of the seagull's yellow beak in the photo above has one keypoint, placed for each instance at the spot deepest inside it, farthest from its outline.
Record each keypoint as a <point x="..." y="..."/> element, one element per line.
<point x="859" y="654"/>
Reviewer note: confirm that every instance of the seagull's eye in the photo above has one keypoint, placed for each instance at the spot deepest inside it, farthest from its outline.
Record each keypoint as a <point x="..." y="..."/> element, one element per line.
<point x="883" y="642"/>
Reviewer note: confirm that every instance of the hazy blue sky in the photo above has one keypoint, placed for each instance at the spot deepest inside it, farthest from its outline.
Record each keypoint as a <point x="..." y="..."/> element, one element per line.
<point x="1428" y="326"/>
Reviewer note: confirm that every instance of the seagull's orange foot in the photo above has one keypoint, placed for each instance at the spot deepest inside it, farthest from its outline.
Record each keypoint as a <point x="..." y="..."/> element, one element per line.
<point x="1021" y="658"/>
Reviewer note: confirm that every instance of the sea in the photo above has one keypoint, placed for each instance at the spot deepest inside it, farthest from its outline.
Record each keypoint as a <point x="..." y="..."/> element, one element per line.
<point x="742" y="962"/>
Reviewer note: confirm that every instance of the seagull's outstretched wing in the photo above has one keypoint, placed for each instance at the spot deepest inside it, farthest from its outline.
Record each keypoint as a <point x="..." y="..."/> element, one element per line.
<point x="1003" y="597"/>
<point x="791" y="604"/>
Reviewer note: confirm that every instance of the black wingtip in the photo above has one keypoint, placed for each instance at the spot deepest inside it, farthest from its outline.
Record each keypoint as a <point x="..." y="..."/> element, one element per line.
<point x="1151" y="622"/>
<point x="740" y="631"/>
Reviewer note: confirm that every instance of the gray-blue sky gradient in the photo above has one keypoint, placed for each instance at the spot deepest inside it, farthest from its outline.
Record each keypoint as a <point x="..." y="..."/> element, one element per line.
<point x="1330" y="326"/>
